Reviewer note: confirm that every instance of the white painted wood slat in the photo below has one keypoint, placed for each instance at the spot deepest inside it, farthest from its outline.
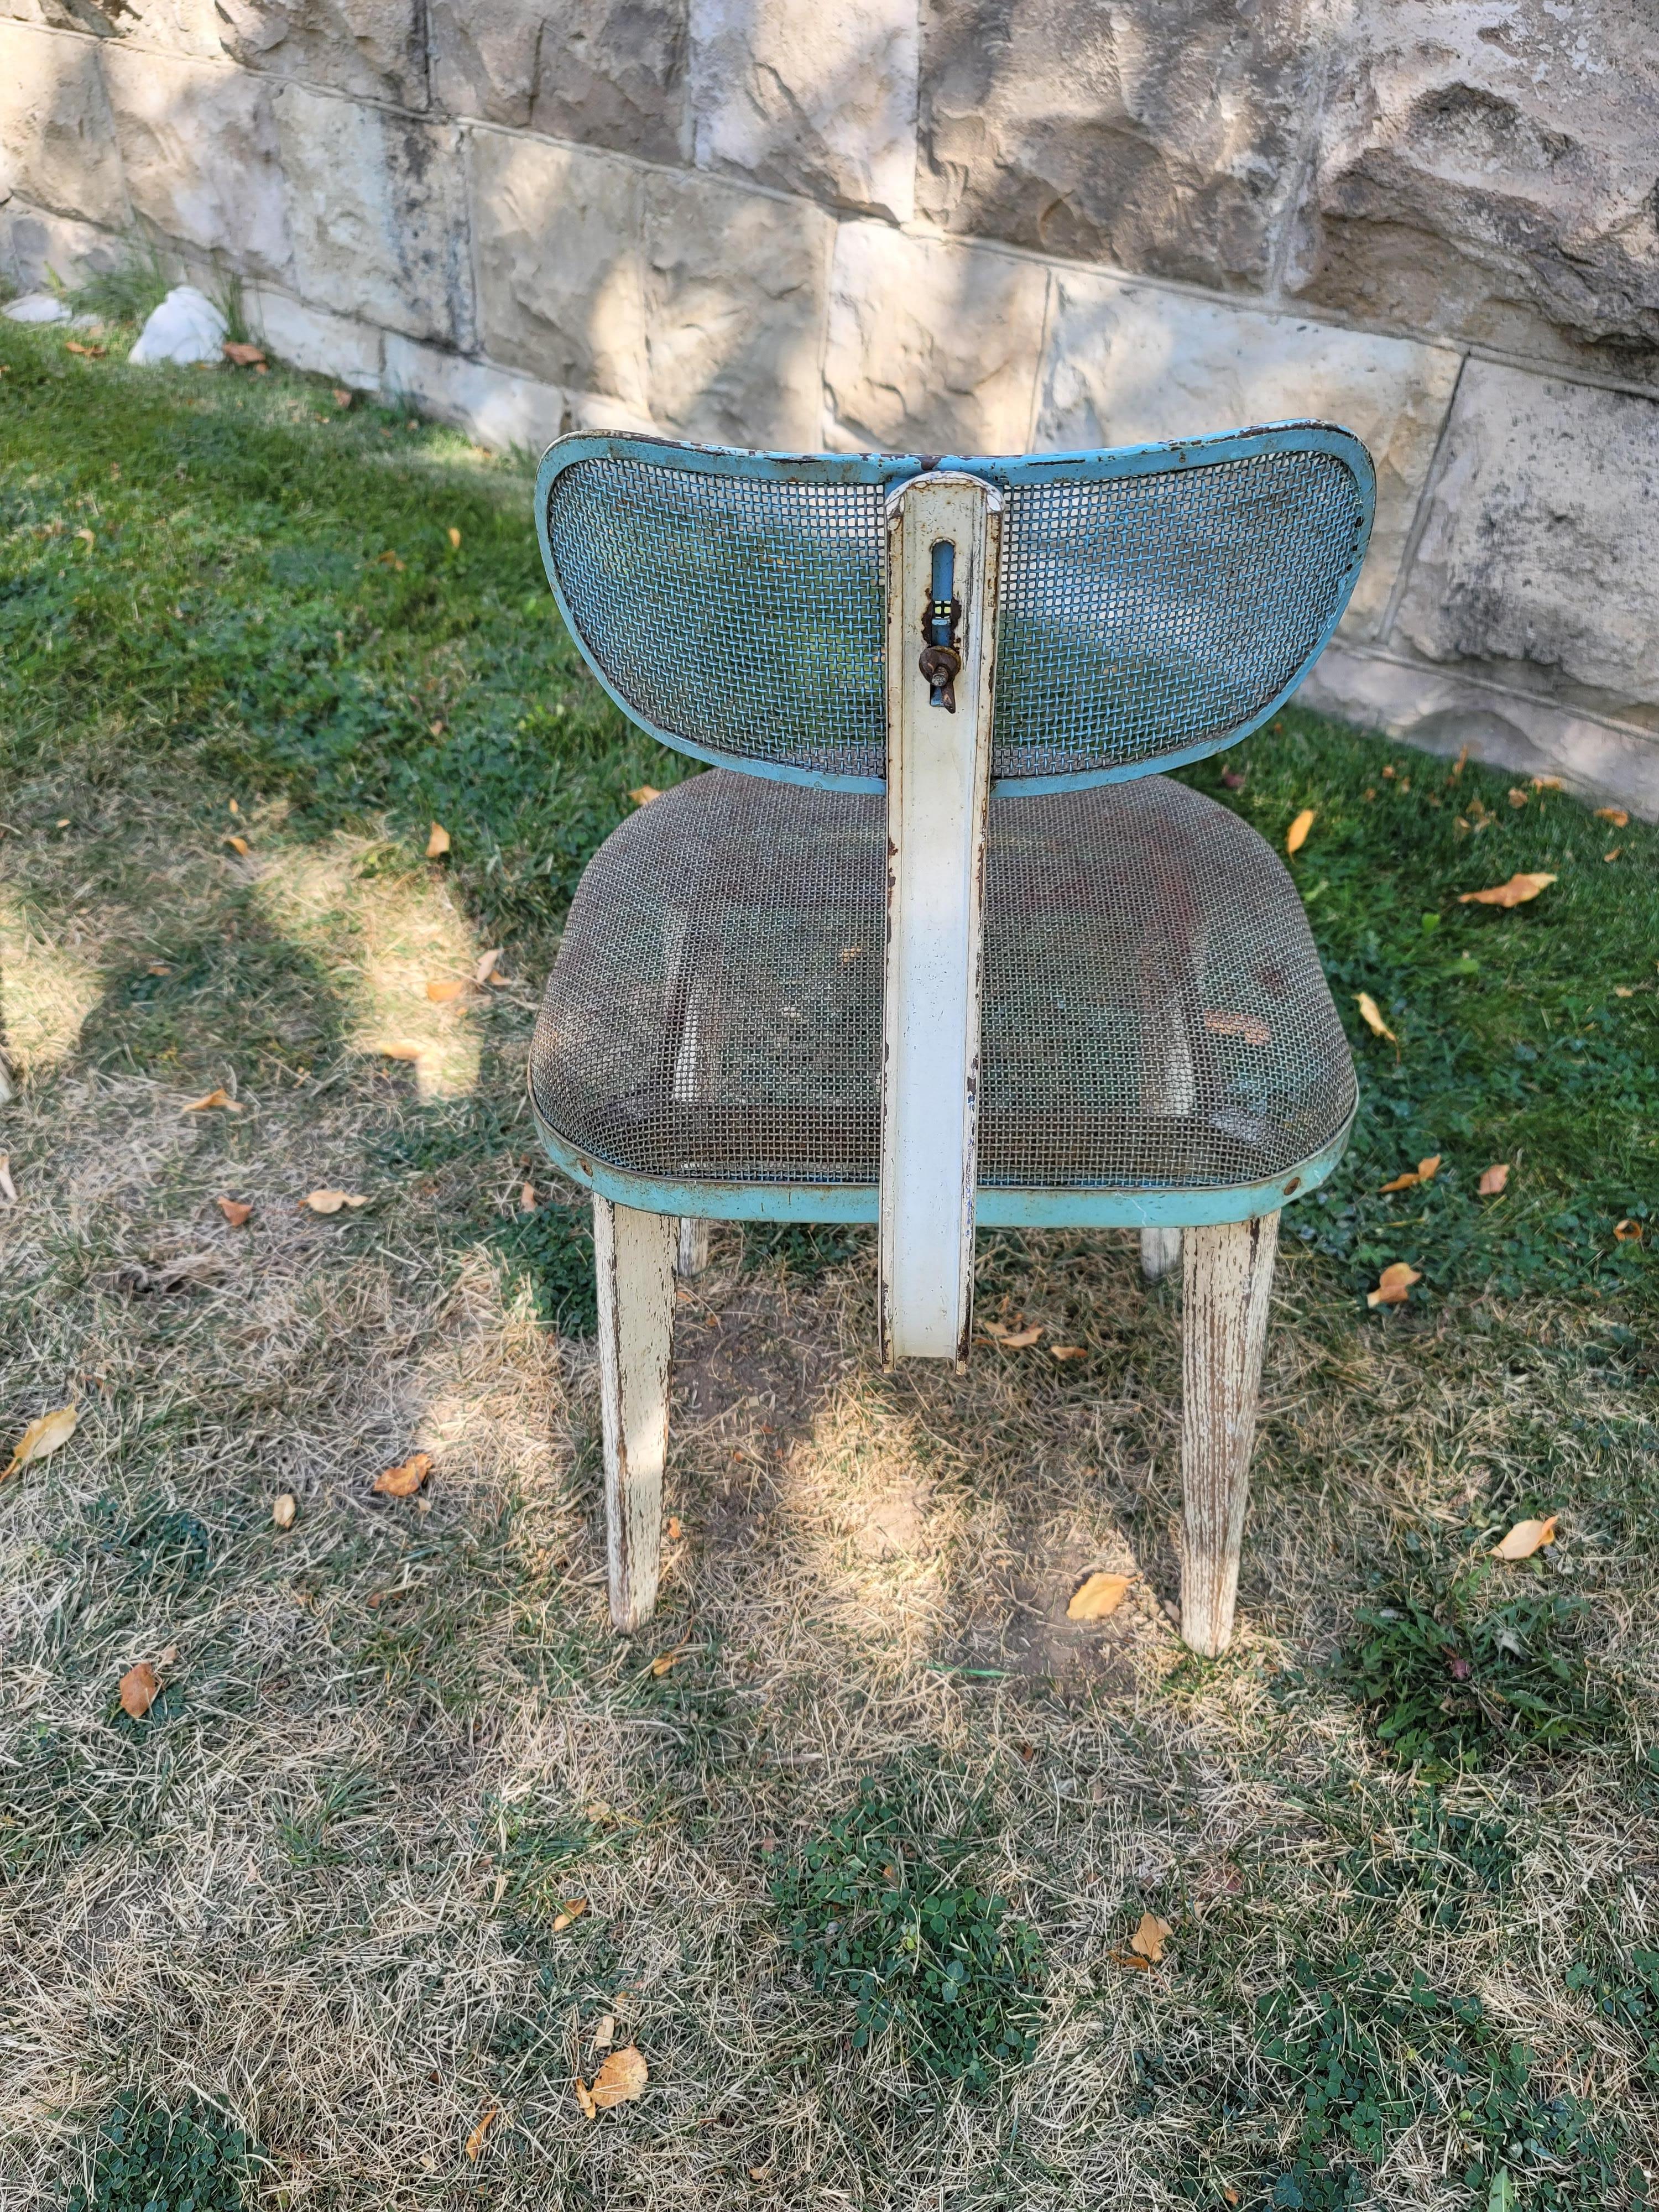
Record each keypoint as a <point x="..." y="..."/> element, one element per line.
<point x="1227" y="1281"/>
<point x="633" y="1257"/>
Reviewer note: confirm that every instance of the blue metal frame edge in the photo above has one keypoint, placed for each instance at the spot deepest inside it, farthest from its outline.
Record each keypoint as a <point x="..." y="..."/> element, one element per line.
<point x="995" y="1207"/>
<point x="1087" y="467"/>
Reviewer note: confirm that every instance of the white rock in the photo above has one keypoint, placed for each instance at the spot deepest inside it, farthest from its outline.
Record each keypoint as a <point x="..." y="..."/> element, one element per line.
<point x="36" y="307"/>
<point x="186" y="327"/>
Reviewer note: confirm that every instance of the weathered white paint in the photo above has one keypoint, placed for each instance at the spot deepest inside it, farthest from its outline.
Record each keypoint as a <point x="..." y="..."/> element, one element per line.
<point x="938" y="766"/>
<point x="693" y="1254"/>
<point x="1228" y="1277"/>
<point x="1160" y="1251"/>
<point x="634" y="1258"/>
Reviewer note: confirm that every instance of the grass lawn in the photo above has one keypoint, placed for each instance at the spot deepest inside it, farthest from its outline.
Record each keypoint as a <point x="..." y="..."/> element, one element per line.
<point x="860" y="1868"/>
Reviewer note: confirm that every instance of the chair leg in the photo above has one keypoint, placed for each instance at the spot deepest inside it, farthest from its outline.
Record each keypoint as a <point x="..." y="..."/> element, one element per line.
<point x="1160" y="1251"/>
<point x="1228" y="1276"/>
<point x="633" y="1255"/>
<point x="693" y="1256"/>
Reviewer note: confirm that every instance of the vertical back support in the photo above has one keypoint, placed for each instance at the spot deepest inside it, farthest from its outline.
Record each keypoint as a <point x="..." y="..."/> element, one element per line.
<point x="943" y="541"/>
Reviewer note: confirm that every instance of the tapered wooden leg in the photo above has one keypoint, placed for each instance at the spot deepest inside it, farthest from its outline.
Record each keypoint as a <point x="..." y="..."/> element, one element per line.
<point x="1160" y="1251"/>
<point x="633" y="1255"/>
<point x="1228" y="1276"/>
<point x="693" y="1256"/>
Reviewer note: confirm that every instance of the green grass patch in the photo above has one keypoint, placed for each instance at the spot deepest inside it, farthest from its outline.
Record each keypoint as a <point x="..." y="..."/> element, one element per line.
<point x="877" y="1913"/>
<point x="148" y="2157"/>
<point x="1450" y="1676"/>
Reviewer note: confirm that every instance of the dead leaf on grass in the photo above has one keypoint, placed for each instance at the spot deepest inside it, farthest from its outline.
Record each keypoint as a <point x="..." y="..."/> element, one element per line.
<point x="454" y="538"/>
<point x="241" y="356"/>
<point x="584" y="2097"/>
<point x="1526" y="1538"/>
<point x="475" y="2142"/>
<point x="644" y="794"/>
<point x="445" y="988"/>
<point x="1518" y="889"/>
<point x="42" y="1437"/>
<point x="1627" y="1232"/>
<point x="621" y="2079"/>
<point x="1394" y="1286"/>
<point x="406" y="1478"/>
<point x="486" y="967"/>
<point x="234" y="1210"/>
<point x="526" y="1198"/>
<point x="1017" y="1340"/>
<point x="238" y="845"/>
<point x="398" y="1051"/>
<point x="211" y="1098"/>
<point x="437" y="843"/>
<point x="1297" y="836"/>
<point x="1616" y="814"/>
<point x="1493" y="1179"/>
<point x="675" y="1530"/>
<point x="1099" y="1596"/>
<point x="86" y="352"/>
<point x="1068" y="1352"/>
<point x="283" y="1510"/>
<point x="139" y="1690"/>
<point x="665" y="1661"/>
<point x="571" y="1909"/>
<point x="1424" y="1171"/>
<point x="331" y="1201"/>
<point x="1371" y="1014"/>
<point x="604" y="2034"/>
<point x="1150" y="1937"/>
<point x="340" y="395"/>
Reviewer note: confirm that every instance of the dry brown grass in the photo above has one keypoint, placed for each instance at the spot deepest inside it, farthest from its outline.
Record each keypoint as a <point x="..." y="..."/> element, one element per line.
<point x="316" y="1885"/>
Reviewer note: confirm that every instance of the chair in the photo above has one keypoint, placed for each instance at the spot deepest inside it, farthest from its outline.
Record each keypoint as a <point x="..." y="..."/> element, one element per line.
<point x="932" y="945"/>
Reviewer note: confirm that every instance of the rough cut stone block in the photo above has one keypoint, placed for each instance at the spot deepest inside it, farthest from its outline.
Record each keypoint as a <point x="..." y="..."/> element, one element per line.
<point x="932" y="347"/>
<point x="57" y="141"/>
<point x="1540" y="558"/>
<point x="500" y="411"/>
<point x="36" y="245"/>
<point x="174" y="26"/>
<point x="1158" y="135"/>
<point x="559" y="277"/>
<point x="1487" y="169"/>
<point x="202" y="159"/>
<point x="374" y="48"/>
<point x="1127" y="362"/>
<point x="605" y="72"/>
<point x="305" y="338"/>
<point x="813" y="98"/>
<point x="377" y="206"/>
<point x="1444" y="712"/>
<point x="735" y="290"/>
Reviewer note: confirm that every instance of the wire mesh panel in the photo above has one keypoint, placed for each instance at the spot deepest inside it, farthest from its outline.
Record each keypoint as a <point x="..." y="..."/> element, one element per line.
<point x="1153" y="603"/>
<point x="1155" y="1013"/>
<point x="742" y="617"/>
<point x="1142" y="615"/>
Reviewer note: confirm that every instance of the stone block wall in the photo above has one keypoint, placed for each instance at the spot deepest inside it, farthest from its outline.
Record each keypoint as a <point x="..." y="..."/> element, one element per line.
<point x="961" y="224"/>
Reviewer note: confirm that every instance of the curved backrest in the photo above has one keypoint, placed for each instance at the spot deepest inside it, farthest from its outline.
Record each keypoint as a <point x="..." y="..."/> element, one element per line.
<point x="1156" y="603"/>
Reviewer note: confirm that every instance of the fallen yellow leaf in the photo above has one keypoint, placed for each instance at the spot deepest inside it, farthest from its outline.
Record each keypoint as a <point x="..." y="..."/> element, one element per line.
<point x="331" y="1201"/>
<point x="42" y="1437"/>
<point x="1394" y="1286"/>
<point x="438" y="843"/>
<point x="449" y="987"/>
<point x="238" y="845"/>
<point x="211" y="1098"/>
<point x="1518" y="889"/>
<point x="1371" y="1014"/>
<point x="571" y="1909"/>
<point x="1068" y="1352"/>
<point x="283" y="1510"/>
<point x="1616" y="814"/>
<point x="1248" y="1026"/>
<point x="86" y="352"/>
<point x="398" y="1051"/>
<point x="1406" y="1181"/>
<point x="667" y="1660"/>
<point x="621" y="2079"/>
<point x="1493" y="1179"/>
<point x="644" y="794"/>
<point x="455" y="538"/>
<point x="605" y="2033"/>
<point x="1526" y="1538"/>
<point x="1150" y="1937"/>
<point x="1627" y="1232"/>
<point x="1429" y="1168"/>
<point x="139" y="1690"/>
<point x="1097" y="1596"/>
<point x="241" y="356"/>
<point x="1615" y="855"/>
<point x="234" y="1210"/>
<point x="1546" y="783"/>
<point x="1297" y="836"/>
<point x="405" y="1479"/>
<point x="1017" y="1340"/>
<point x="486" y="967"/>
<point x="475" y="2142"/>
<point x="90" y="540"/>
<point x="675" y="1530"/>
<point x="1517" y="797"/>
<point x="389" y="561"/>
<point x="526" y="1198"/>
<point x="585" y="2098"/>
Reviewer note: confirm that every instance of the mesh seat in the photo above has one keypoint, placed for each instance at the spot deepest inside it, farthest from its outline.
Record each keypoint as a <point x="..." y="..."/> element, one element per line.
<point x="1155" y="1014"/>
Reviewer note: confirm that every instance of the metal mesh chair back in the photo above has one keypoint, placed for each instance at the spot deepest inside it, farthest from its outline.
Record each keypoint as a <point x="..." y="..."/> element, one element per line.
<point x="1155" y="603"/>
